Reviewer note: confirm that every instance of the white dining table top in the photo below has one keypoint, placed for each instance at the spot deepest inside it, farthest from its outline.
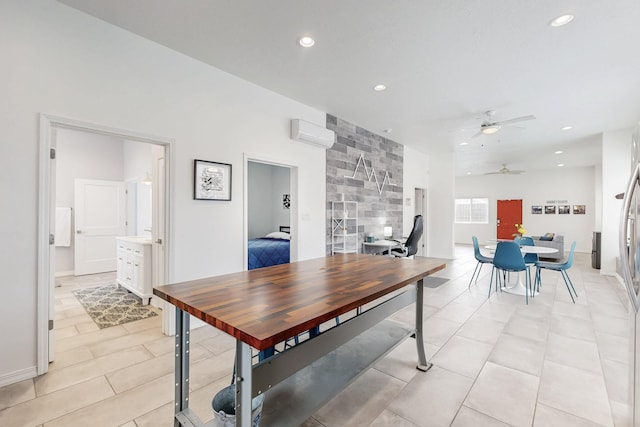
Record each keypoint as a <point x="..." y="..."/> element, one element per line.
<point x="530" y="249"/>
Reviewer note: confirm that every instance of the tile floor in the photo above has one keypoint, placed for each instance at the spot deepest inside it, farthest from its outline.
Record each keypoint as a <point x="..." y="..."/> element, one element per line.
<point x="497" y="362"/>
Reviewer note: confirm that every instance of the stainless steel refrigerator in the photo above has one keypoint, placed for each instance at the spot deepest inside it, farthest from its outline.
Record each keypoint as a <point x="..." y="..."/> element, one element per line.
<point x="630" y="268"/>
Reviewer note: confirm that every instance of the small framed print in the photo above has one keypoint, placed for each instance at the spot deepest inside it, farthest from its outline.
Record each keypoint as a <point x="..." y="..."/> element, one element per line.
<point x="564" y="210"/>
<point x="211" y="180"/>
<point x="550" y="209"/>
<point x="536" y="210"/>
<point x="286" y="201"/>
<point x="579" y="209"/>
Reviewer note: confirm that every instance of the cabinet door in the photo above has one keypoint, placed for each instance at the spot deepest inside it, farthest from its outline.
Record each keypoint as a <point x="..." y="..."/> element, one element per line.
<point x="137" y="279"/>
<point x="120" y="275"/>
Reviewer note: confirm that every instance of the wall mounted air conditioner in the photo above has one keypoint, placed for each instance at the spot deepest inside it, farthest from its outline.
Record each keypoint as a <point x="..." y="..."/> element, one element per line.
<point x="312" y="133"/>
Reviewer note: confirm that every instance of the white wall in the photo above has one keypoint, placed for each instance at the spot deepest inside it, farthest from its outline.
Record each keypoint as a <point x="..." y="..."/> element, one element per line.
<point x="65" y="63"/>
<point x="575" y="185"/>
<point x="280" y="185"/>
<point x="82" y="155"/>
<point x="440" y="206"/>
<point x="137" y="165"/>
<point x="415" y="174"/>
<point x="267" y="184"/>
<point x="616" y="170"/>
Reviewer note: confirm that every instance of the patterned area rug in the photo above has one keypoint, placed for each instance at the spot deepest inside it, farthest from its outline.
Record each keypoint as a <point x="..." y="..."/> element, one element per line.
<point x="111" y="305"/>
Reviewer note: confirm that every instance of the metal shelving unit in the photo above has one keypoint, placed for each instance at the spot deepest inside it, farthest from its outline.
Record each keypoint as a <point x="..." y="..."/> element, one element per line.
<point x="344" y="227"/>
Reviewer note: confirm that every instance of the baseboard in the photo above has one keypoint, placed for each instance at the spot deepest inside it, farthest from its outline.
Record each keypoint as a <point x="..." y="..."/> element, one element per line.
<point x="17" y="376"/>
<point x="64" y="273"/>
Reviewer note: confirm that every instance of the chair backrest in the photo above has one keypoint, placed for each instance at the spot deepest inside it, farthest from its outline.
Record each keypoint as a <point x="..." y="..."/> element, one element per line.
<point x="508" y="257"/>
<point x="416" y="232"/>
<point x="570" y="258"/>
<point x="476" y="246"/>
<point x="528" y="241"/>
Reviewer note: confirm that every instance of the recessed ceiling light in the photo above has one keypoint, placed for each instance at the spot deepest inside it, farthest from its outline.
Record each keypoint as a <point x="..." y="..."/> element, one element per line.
<point x="306" y="41"/>
<point x="464" y="143"/>
<point x="559" y="152"/>
<point x="468" y="173"/>
<point x="379" y="88"/>
<point x="560" y="165"/>
<point x="566" y="127"/>
<point x="561" y="20"/>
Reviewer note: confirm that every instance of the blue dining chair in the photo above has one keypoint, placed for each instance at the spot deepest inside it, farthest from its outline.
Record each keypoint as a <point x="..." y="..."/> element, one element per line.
<point x="482" y="260"/>
<point x="530" y="259"/>
<point x="508" y="259"/>
<point x="562" y="267"/>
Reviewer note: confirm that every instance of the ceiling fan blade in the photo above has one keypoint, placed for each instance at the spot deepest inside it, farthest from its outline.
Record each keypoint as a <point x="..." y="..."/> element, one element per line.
<point x="515" y="172"/>
<point x="477" y="134"/>
<point x="516" y="120"/>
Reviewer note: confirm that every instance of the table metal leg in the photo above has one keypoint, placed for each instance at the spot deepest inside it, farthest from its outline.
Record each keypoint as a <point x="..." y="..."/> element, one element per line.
<point x="243" y="384"/>
<point x="182" y="363"/>
<point x="423" y="365"/>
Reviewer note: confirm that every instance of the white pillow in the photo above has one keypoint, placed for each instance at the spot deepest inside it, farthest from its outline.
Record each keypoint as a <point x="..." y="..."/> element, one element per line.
<point x="279" y="235"/>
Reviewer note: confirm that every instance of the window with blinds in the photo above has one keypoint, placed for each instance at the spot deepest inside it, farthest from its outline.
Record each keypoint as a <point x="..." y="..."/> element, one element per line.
<point x="472" y="211"/>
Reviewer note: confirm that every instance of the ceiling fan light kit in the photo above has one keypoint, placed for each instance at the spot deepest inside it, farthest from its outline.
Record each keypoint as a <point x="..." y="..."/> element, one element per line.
<point x="490" y="129"/>
<point x="489" y="126"/>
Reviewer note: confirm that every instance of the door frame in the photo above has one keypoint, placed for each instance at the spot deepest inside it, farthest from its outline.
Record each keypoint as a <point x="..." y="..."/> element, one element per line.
<point x="293" y="214"/>
<point x="46" y="212"/>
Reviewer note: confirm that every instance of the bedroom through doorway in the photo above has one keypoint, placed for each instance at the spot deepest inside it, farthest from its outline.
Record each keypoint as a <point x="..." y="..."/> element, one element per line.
<point x="269" y="206"/>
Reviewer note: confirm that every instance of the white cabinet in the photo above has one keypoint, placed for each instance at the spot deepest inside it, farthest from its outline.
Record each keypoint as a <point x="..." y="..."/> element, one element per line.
<point x="134" y="266"/>
<point x="344" y="227"/>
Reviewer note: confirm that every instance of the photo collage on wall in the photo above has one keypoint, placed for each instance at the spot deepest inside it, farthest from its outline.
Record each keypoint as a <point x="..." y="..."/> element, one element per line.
<point x="560" y="209"/>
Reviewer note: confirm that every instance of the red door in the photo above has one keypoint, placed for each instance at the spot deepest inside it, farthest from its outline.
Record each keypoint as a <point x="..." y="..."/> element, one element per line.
<point x="509" y="214"/>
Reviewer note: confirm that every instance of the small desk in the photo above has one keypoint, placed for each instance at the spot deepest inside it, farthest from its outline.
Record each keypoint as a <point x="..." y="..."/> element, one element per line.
<point x="266" y="306"/>
<point x="379" y="246"/>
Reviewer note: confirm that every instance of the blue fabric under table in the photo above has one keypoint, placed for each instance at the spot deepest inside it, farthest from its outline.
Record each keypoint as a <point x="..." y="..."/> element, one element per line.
<point x="264" y="252"/>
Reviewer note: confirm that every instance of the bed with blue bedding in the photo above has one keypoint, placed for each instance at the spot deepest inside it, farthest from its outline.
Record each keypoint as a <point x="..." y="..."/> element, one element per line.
<point x="273" y="249"/>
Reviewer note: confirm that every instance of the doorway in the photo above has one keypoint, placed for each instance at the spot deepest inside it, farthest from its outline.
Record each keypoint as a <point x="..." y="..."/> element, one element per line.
<point x="270" y="204"/>
<point x="509" y="213"/>
<point x="50" y="130"/>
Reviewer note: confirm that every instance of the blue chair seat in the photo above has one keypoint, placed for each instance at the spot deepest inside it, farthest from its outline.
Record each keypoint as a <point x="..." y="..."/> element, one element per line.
<point x="508" y="258"/>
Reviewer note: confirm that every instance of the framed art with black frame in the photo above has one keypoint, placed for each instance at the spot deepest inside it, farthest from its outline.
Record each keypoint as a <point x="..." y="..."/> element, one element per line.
<point x="211" y="180"/>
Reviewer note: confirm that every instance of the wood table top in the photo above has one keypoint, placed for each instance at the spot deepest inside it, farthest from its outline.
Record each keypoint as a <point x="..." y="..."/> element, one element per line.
<point x="265" y="306"/>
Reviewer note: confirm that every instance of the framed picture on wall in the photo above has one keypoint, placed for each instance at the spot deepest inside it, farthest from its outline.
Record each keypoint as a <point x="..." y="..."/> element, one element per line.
<point x="536" y="210"/>
<point x="211" y="180"/>
<point x="579" y="209"/>
<point x="550" y="209"/>
<point x="564" y="210"/>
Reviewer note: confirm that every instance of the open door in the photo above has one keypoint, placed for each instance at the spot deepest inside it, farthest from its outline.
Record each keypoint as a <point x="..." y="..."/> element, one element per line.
<point x="509" y="214"/>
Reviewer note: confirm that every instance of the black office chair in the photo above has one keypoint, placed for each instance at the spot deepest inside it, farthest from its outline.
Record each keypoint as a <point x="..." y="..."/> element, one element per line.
<point x="410" y="246"/>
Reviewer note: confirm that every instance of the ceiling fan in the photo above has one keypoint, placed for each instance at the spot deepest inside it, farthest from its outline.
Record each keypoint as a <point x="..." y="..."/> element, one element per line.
<point x="506" y="171"/>
<point x="489" y="126"/>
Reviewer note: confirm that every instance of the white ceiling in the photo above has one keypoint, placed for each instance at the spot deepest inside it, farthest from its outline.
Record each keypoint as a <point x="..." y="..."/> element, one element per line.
<point x="444" y="63"/>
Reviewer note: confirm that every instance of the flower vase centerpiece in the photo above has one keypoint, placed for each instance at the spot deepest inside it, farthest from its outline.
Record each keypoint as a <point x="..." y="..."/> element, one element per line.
<point x="521" y="231"/>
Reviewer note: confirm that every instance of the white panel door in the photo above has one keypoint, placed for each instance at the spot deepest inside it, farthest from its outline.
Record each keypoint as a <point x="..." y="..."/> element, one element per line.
<point x="100" y="217"/>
